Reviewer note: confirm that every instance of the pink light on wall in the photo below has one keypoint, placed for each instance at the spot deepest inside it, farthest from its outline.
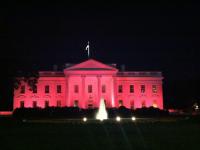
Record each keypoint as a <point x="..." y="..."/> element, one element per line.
<point x="95" y="75"/>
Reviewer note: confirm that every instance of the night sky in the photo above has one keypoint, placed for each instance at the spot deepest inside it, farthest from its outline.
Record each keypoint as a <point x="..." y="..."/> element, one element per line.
<point x="160" y="36"/>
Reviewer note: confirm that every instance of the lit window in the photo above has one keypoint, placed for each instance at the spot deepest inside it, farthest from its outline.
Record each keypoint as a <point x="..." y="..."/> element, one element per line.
<point x="46" y="104"/>
<point x="154" y="88"/>
<point x="22" y="91"/>
<point x="120" y="89"/>
<point x="131" y="88"/>
<point x="35" y="89"/>
<point x="47" y="89"/>
<point x="142" y="88"/>
<point x="155" y="104"/>
<point x="103" y="88"/>
<point x="76" y="89"/>
<point x="120" y="103"/>
<point x="89" y="88"/>
<point x="76" y="103"/>
<point x="34" y="104"/>
<point x="59" y="90"/>
<point x="21" y="104"/>
<point x="143" y="104"/>
<point x="58" y="103"/>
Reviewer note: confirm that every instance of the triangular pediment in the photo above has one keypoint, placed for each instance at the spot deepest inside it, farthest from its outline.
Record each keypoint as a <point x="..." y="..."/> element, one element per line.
<point x="91" y="64"/>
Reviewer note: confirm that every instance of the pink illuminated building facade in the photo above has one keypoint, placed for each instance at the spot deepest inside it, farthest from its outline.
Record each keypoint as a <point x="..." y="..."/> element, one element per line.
<point x="83" y="85"/>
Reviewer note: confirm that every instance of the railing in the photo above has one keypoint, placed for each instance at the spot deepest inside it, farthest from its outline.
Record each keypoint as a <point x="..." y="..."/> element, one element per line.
<point x="140" y="74"/>
<point x="51" y="74"/>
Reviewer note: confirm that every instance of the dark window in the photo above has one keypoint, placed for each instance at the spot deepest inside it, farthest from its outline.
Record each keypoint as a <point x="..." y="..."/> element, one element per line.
<point x="76" y="89"/>
<point x="142" y="88"/>
<point x="120" y="89"/>
<point x="47" y="89"/>
<point x="21" y="104"/>
<point x="120" y="103"/>
<point x="103" y="88"/>
<point x="76" y="103"/>
<point x="46" y="104"/>
<point x="131" y="88"/>
<point x="89" y="88"/>
<point x="22" y="91"/>
<point x="58" y="103"/>
<point x="143" y="104"/>
<point x="154" y="88"/>
<point x="59" y="89"/>
<point x="132" y="104"/>
<point x="90" y="106"/>
<point x="35" y="89"/>
<point x="105" y="102"/>
<point x="34" y="104"/>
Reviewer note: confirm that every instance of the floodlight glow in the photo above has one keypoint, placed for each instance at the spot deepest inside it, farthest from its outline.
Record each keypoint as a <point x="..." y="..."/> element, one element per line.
<point x="133" y="118"/>
<point x="118" y="119"/>
<point x="84" y="119"/>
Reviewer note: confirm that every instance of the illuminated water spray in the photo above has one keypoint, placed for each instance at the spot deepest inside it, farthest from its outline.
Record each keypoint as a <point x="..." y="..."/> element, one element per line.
<point x="102" y="113"/>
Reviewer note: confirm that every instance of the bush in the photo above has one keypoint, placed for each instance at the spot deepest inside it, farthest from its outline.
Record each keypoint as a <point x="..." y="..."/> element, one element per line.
<point x="75" y="112"/>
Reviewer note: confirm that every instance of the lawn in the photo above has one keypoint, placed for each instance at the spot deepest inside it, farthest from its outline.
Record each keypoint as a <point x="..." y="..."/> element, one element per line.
<point x="101" y="136"/>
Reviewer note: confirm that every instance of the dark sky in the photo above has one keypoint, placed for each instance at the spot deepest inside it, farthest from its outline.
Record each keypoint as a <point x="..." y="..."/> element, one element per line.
<point x="159" y="36"/>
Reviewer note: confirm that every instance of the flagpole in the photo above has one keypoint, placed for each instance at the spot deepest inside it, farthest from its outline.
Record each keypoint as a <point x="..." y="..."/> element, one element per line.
<point x="88" y="49"/>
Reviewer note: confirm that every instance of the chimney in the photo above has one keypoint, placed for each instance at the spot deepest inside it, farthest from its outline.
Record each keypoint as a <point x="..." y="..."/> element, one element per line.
<point x="122" y="68"/>
<point x="55" y="67"/>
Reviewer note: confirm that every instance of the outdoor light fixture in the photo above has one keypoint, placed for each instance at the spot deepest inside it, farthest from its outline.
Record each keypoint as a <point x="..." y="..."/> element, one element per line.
<point x="118" y="119"/>
<point x="133" y="118"/>
<point x="84" y="119"/>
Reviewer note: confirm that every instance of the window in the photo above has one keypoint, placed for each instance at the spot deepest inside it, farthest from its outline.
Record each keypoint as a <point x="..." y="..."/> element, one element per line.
<point x="155" y="104"/>
<point x="59" y="90"/>
<point x="90" y="106"/>
<point x="21" y="104"/>
<point x="103" y="88"/>
<point x="120" y="103"/>
<point x="46" y="104"/>
<point x="22" y="91"/>
<point x="89" y="88"/>
<point x="142" y="88"/>
<point x="35" y="89"/>
<point x="34" y="104"/>
<point x="132" y="104"/>
<point x="131" y="88"/>
<point x="76" y="103"/>
<point x="58" y="103"/>
<point x="76" y="89"/>
<point x="143" y="104"/>
<point x="120" y="89"/>
<point x="154" y="88"/>
<point x="105" y="102"/>
<point x="47" y="89"/>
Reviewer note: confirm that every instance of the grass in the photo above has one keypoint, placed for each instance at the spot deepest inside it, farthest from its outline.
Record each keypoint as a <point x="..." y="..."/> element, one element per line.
<point x="99" y="136"/>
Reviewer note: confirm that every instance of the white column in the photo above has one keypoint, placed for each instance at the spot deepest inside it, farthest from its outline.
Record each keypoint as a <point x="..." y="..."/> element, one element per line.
<point x="83" y="92"/>
<point x="113" y="92"/>
<point x="99" y="89"/>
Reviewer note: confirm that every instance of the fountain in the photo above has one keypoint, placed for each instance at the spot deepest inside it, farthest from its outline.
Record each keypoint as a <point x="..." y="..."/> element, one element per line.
<point x="102" y="113"/>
